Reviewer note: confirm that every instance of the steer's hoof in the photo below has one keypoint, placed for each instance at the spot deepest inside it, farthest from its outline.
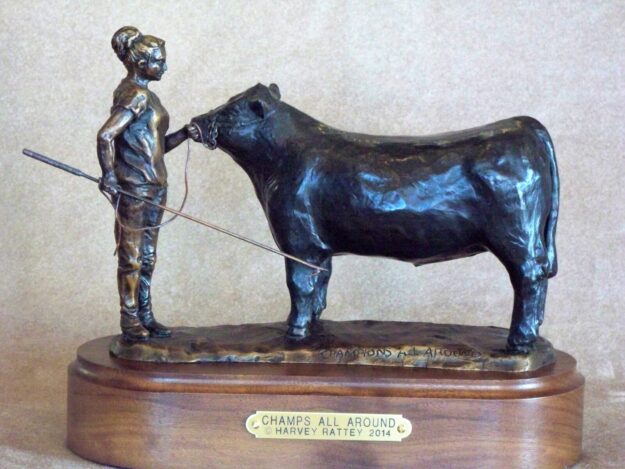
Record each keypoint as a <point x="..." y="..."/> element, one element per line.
<point x="517" y="347"/>
<point x="297" y="332"/>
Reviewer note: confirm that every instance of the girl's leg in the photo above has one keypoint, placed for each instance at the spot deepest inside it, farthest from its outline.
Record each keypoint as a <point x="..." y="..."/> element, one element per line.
<point x="129" y="259"/>
<point x="153" y="217"/>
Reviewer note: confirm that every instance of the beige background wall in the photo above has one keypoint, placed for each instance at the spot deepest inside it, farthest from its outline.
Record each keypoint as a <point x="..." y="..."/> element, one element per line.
<point x="374" y="67"/>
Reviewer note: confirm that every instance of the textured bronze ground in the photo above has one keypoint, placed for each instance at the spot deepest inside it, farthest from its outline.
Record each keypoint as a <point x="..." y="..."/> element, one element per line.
<point x="382" y="343"/>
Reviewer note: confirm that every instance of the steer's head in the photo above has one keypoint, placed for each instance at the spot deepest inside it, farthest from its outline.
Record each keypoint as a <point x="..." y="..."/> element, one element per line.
<point x="235" y="126"/>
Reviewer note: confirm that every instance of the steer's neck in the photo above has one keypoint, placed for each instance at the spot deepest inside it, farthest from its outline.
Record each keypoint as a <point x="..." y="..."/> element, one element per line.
<point x="297" y="125"/>
<point x="285" y="134"/>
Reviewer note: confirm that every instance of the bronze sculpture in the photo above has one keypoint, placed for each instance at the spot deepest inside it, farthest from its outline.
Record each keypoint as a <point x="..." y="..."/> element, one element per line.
<point x="327" y="192"/>
<point x="131" y="147"/>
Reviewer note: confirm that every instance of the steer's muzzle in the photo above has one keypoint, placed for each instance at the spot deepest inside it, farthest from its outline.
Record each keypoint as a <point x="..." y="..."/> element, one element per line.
<point x="206" y="125"/>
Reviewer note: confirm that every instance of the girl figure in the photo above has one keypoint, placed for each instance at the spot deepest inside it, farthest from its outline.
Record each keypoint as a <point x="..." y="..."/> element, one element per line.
<point x="131" y="147"/>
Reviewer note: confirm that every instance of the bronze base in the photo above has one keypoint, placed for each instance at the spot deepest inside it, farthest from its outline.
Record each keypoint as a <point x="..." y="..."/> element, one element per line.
<point x="152" y="415"/>
<point x="381" y="343"/>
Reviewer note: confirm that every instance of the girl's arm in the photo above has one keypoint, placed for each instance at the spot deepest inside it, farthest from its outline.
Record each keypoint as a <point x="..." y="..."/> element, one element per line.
<point x="176" y="138"/>
<point x="118" y="121"/>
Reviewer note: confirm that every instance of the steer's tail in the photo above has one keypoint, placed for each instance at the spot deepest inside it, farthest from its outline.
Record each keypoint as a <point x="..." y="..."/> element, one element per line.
<point x="552" y="219"/>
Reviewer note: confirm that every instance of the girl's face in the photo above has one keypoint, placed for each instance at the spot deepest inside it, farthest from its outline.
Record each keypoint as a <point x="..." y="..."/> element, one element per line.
<point x="155" y="66"/>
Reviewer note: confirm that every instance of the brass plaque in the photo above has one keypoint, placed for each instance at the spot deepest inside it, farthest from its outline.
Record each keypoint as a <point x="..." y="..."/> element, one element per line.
<point x="328" y="426"/>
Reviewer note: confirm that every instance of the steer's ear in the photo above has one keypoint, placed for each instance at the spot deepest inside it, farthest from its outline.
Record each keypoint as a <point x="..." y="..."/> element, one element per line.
<point x="260" y="107"/>
<point x="275" y="91"/>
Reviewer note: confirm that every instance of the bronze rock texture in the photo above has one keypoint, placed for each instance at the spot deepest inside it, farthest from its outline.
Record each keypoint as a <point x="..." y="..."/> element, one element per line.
<point x="382" y="343"/>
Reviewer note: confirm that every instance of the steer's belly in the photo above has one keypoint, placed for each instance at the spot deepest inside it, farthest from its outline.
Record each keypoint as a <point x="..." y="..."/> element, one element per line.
<point x="420" y="220"/>
<point x="420" y="234"/>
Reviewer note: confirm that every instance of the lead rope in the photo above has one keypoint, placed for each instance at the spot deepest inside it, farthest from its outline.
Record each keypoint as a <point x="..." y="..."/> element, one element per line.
<point x="211" y="144"/>
<point x="121" y="225"/>
<point x="211" y="141"/>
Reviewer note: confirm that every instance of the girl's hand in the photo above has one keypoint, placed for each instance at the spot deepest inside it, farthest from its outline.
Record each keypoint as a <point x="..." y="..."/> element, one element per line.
<point x="193" y="133"/>
<point x="108" y="183"/>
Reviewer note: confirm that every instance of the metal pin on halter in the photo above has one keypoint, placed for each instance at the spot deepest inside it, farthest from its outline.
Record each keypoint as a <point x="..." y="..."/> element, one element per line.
<point x="78" y="172"/>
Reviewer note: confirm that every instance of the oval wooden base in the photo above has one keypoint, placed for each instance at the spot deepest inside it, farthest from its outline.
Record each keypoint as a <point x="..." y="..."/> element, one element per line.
<point x="151" y="415"/>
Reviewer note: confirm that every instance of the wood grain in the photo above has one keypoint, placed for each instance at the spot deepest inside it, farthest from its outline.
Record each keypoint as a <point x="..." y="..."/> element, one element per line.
<point x="134" y="414"/>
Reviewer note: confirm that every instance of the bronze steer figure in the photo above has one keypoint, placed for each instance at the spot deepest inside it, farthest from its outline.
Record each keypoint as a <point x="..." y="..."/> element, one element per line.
<point x="327" y="192"/>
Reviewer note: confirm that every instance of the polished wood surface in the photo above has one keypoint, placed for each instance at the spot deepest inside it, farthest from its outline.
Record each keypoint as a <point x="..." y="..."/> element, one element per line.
<point x="135" y="414"/>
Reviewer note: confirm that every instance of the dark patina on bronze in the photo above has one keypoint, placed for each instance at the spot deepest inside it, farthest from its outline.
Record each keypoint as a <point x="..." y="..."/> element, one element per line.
<point x="328" y="192"/>
<point x="381" y="343"/>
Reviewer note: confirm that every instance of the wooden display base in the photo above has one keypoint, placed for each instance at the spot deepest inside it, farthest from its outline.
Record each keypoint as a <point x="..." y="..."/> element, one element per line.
<point x="135" y="414"/>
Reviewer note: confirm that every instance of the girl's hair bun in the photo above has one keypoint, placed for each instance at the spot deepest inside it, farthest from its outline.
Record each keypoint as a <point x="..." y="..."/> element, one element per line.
<point x="123" y="39"/>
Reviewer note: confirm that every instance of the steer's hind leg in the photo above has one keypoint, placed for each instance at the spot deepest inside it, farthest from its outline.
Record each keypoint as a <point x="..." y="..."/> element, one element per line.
<point x="515" y="234"/>
<point x="528" y="266"/>
<point x="530" y="292"/>
<point x="307" y="290"/>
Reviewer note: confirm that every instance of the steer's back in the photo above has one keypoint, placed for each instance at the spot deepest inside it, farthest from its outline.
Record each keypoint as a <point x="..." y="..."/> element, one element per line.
<point x="420" y="199"/>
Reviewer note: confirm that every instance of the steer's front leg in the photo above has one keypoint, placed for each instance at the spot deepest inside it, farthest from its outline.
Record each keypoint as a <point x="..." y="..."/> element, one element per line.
<point x="303" y="283"/>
